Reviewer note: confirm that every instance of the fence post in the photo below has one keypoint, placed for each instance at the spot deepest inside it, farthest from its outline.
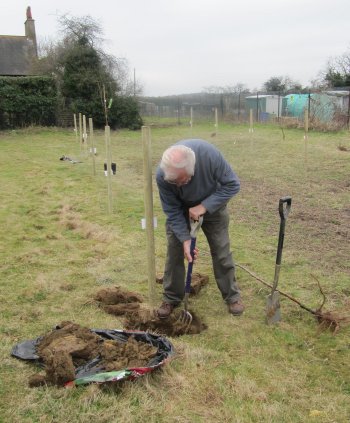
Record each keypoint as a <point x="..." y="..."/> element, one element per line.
<point x="216" y="125"/>
<point x="109" y="166"/>
<point x="148" y="198"/>
<point x="92" y="143"/>
<point x="80" y="131"/>
<point x="75" y="126"/>
<point x="84" y="134"/>
<point x="251" y="130"/>
<point x="191" y="119"/>
<point x="348" y="117"/>
<point x="306" y="130"/>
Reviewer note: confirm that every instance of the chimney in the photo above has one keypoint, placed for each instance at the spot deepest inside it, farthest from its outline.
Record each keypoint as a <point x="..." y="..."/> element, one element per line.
<point x="29" y="26"/>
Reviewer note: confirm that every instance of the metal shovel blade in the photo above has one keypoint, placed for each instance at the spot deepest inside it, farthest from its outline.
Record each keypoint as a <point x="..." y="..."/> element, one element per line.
<point x="273" y="308"/>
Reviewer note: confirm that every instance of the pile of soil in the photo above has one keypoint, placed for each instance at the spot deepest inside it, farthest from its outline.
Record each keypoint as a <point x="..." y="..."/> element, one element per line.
<point x="118" y="355"/>
<point x="174" y="325"/>
<point x="116" y="295"/>
<point x="70" y="346"/>
<point x="125" y="303"/>
<point x="117" y="301"/>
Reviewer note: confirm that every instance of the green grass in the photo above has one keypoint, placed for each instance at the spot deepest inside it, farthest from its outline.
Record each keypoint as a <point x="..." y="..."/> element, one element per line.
<point x="59" y="246"/>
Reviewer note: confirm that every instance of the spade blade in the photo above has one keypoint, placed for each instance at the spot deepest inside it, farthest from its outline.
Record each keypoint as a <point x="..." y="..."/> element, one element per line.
<point x="273" y="308"/>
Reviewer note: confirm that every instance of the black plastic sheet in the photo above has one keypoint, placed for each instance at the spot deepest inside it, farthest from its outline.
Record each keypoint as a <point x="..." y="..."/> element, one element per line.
<point x="92" y="370"/>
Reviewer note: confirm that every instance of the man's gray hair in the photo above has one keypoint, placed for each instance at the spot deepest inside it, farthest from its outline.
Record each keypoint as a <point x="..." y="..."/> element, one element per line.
<point x="175" y="158"/>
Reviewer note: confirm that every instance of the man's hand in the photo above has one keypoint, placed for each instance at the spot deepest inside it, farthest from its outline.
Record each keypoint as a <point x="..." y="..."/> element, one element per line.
<point x="187" y="252"/>
<point x="196" y="212"/>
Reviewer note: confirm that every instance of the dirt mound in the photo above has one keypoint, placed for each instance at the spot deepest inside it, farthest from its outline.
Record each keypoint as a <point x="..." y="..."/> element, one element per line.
<point x="117" y="301"/>
<point x="116" y="295"/>
<point x="125" y="303"/>
<point x="174" y="325"/>
<point x="116" y="355"/>
<point x="70" y="346"/>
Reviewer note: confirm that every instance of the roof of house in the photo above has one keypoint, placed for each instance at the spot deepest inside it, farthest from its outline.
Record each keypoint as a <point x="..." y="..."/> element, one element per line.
<point x="16" y="55"/>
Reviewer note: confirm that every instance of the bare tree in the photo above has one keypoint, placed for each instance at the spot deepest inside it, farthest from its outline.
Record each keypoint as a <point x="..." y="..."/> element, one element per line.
<point x="227" y="89"/>
<point x="53" y="53"/>
<point x="337" y="72"/>
<point x="281" y="84"/>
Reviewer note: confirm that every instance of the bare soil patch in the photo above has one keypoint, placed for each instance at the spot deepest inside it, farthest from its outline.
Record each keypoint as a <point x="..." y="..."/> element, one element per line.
<point x="320" y="230"/>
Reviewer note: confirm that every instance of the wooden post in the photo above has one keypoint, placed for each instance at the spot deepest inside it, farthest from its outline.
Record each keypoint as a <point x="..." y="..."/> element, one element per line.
<point x="92" y="143"/>
<point x="80" y="131"/>
<point x="306" y="130"/>
<point x="75" y="126"/>
<point x="348" y="117"/>
<point x="109" y="166"/>
<point x="239" y="107"/>
<point x="148" y="199"/>
<point x="216" y="122"/>
<point x="251" y="130"/>
<point x="84" y="134"/>
<point x="191" y="120"/>
<point x="306" y="123"/>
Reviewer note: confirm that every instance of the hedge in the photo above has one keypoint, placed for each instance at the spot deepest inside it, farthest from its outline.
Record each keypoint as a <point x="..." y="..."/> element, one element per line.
<point x="27" y="100"/>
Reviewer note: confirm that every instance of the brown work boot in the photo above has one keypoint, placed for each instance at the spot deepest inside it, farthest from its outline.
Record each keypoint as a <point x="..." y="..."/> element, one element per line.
<point x="165" y="310"/>
<point x="236" y="308"/>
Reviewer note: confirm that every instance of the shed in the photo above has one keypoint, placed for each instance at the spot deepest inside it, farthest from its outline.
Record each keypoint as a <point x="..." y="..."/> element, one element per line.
<point x="265" y="106"/>
<point x="294" y="104"/>
<point x="323" y="106"/>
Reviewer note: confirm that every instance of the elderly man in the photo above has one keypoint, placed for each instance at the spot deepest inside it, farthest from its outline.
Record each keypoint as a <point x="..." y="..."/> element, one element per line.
<point x="195" y="180"/>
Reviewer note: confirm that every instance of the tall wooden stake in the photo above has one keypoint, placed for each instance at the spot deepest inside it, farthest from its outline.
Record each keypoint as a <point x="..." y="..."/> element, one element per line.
<point x="80" y="131"/>
<point x="216" y="122"/>
<point x="251" y="130"/>
<point x="148" y="199"/>
<point x="191" y="120"/>
<point x="92" y="142"/>
<point x="75" y="126"/>
<point x="84" y="134"/>
<point x="109" y="166"/>
<point x="306" y="131"/>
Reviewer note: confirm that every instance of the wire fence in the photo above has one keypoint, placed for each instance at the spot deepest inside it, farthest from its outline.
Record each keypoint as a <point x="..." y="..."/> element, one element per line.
<point x="326" y="110"/>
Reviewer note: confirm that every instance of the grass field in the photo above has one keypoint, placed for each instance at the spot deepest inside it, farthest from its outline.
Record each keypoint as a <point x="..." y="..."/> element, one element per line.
<point x="59" y="245"/>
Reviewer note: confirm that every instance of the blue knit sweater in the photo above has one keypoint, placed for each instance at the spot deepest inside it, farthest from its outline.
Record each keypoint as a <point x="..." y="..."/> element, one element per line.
<point x="214" y="183"/>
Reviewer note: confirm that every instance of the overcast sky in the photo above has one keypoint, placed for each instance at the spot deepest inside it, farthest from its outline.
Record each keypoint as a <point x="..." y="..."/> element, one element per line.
<point x="183" y="46"/>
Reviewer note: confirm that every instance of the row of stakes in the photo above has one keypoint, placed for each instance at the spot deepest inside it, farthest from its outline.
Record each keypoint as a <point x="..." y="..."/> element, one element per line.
<point x="148" y="190"/>
<point x="82" y="136"/>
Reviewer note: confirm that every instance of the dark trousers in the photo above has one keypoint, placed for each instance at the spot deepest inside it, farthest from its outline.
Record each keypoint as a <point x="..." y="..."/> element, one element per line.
<point x="215" y="228"/>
